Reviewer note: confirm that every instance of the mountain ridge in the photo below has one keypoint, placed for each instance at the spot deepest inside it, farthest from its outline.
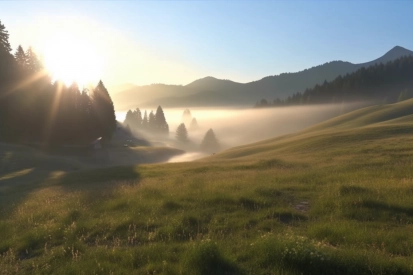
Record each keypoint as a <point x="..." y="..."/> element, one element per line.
<point x="211" y="91"/>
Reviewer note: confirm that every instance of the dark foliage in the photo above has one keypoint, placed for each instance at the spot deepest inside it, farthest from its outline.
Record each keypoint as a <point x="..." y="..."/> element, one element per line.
<point x="155" y="124"/>
<point x="388" y="82"/>
<point x="35" y="110"/>
<point x="210" y="143"/>
<point x="181" y="133"/>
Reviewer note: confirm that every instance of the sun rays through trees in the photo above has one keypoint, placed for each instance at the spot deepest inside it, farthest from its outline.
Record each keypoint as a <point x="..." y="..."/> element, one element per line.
<point x="33" y="108"/>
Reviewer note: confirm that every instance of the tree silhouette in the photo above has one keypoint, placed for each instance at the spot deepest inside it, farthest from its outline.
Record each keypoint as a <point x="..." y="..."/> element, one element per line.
<point x="181" y="133"/>
<point x="137" y="118"/>
<point x="20" y="57"/>
<point x="104" y="111"/>
<point x="210" y="143"/>
<point x="186" y="116"/>
<point x="46" y="112"/>
<point x="129" y="118"/>
<point x="160" y="121"/>
<point x="194" y="124"/>
<point x="33" y="63"/>
<point x="4" y="39"/>
<point x="151" y="121"/>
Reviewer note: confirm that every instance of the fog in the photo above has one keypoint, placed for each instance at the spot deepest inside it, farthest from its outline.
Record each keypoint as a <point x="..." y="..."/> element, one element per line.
<point x="235" y="127"/>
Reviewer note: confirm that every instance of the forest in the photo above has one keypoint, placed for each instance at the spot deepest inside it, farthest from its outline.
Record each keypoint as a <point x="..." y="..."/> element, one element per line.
<point x="381" y="83"/>
<point x="34" y="108"/>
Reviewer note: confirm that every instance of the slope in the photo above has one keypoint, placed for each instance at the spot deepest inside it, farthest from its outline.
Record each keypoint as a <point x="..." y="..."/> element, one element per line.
<point x="334" y="199"/>
<point x="368" y="124"/>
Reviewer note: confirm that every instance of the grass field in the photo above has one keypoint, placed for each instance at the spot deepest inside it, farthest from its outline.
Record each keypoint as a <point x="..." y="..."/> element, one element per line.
<point x="336" y="198"/>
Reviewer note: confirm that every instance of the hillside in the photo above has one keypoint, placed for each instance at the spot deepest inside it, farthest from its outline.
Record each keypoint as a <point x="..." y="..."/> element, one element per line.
<point x="332" y="199"/>
<point x="369" y="123"/>
<point x="210" y="91"/>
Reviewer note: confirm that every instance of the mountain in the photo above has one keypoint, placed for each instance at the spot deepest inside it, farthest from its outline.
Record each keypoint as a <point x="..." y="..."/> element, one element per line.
<point x="210" y="91"/>
<point x="389" y="82"/>
<point x="120" y="88"/>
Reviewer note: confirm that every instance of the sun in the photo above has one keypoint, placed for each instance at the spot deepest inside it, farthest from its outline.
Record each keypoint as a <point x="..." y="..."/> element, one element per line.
<point x="72" y="58"/>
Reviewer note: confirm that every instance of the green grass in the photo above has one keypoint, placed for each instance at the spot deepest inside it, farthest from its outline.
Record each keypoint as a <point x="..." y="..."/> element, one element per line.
<point x="332" y="199"/>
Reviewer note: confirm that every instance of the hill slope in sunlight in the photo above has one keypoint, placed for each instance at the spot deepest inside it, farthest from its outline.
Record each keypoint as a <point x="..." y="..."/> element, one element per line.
<point x="332" y="199"/>
<point x="370" y="123"/>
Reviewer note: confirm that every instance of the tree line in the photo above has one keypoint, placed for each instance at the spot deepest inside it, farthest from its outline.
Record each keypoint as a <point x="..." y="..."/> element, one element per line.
<point x="33" y="108"/>
<point x="388" y="82"/>
<point x="154" y="123"/>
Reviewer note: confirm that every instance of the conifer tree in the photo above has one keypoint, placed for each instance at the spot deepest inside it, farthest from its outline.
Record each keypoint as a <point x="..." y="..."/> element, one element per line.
<point x="161" y="125"/>
<point x="33" y="63"/>
<point x="210" y="143"/>
<point x="181" y="133"/>
<point x="20" y="57"/>
<point x="104" y="111"/>
<point x="186" y="116"/>
<point x="194" y="124"/>
<point x="152" y="121"/>
<point x="137" y="115"/>
<point x="4" y="39"/>
<point x="128" y="118"/>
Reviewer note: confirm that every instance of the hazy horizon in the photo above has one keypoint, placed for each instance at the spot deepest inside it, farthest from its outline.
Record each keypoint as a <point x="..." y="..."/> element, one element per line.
<point x="177" y="42"/>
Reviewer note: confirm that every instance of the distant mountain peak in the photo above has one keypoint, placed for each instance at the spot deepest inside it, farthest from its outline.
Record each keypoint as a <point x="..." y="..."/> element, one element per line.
<point x="398" y="51"/>
<point x="210" y="82"/>
<point x="398" y="48"/>
<point x="393" y="54"/>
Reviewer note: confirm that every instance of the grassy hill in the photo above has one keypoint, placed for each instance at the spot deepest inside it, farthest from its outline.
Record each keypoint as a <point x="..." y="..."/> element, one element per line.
<point x="333" y="199"/>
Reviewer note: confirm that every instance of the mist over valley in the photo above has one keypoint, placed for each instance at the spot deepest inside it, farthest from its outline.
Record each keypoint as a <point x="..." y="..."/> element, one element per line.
<point x="255" y="150"/>
<point x="239" y="126"/>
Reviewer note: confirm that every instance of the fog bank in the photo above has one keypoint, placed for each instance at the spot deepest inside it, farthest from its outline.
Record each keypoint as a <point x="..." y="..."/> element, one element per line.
<point x="234" y="127"/>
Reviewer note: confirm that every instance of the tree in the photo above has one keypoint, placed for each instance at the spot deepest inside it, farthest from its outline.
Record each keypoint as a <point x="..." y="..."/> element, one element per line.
<point x="4" y="39"/>
<point x="194" y="124"/>
<point x="152" y="121"/>
<point x="137" y="118"/>
<point x="160" y="121"/>
<point x="33" y="63"/>
<point x="104" y="111"/>
<point x="20" y="57"/>
<point x="181" y="133"/>
<point x="210" y="143"/>
<point x="129" y="118"/>
<point x="7" y="65"/>
<point x="186" y="116"/>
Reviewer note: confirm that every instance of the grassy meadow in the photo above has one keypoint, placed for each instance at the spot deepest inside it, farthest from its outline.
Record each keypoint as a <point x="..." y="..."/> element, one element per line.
<point x="336" y="198"/>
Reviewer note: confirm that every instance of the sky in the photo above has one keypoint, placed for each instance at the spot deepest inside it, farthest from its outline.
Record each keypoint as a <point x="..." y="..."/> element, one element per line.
<point x="177" y="42"/>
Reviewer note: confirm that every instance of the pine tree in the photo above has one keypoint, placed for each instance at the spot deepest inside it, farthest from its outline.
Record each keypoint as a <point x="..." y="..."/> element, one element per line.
<point x="186" y="116"/>
<point x="210" y="143"/>
<point x="104" y="111"/>
<point x="20" y="57"/>
<point x="181" y="133"/>
<point x="161" y="125"/>
<point x="129" y="117"/>
<point x="4" y="40"/>
<point x="194" y="124"/>
<point x="7" y="76"/>
<point x="152" y="121"/>
<point x="33" y="63"/>
<point x="137" y="115"/>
